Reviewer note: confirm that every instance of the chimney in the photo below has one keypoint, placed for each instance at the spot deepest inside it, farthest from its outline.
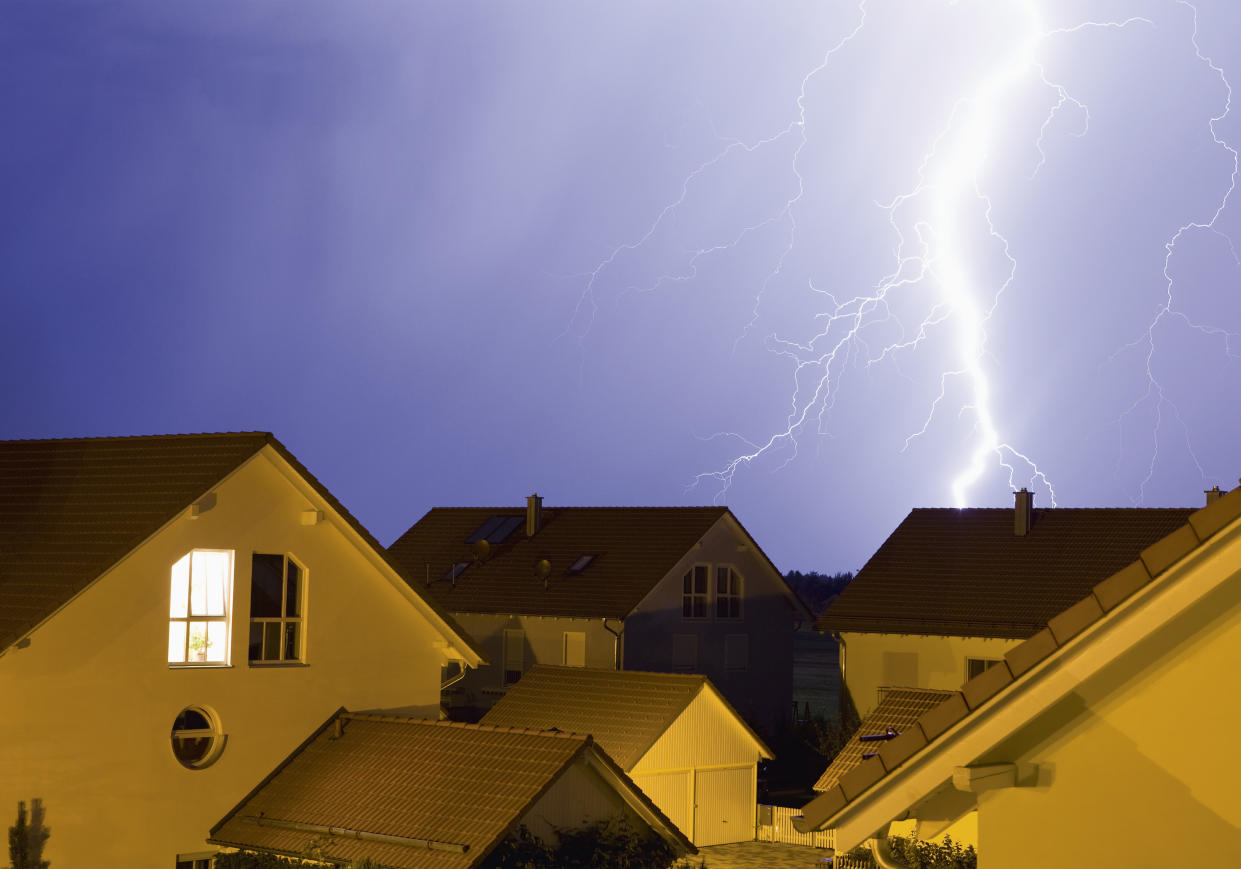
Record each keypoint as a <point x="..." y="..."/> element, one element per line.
<point x="1023" y="512"/>
<point x="1213" y="494"/>
<point x="534" y="514"/>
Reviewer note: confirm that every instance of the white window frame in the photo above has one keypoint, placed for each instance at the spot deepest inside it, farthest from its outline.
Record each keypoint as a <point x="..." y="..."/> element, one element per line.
<point x="986" y="664"/>
<point x="284" y="619"/>
<point x="732" y="595"/>
<point x="182" y="612"/>
<point x="691" y="597"/>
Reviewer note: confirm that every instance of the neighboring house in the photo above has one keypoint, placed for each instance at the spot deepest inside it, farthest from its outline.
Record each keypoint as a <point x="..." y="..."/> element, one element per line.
<point x="412" y="794"/>
<point x="951" y="591"/>
<point x="675" y="736"/>
<point x="1104" y="739"/>
<point x="175" y="614"/>
<point x="667" y="589"/>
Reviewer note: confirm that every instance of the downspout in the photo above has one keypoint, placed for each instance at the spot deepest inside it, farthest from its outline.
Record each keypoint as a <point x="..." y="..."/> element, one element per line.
<point x="453" y="680"/>
<point x="882" y="851"/>
<point x="616" y="637"/>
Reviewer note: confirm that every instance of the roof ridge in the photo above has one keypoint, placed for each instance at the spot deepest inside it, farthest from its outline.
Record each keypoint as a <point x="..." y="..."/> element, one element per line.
<point x="701" y="507"/>
<point x="462" y="725"/>
<point x="689" y="677"/>
<point x="147" y="437"/>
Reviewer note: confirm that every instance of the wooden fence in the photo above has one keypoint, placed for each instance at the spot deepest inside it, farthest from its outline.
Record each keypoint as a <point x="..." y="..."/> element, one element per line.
<point x="775" y="824"/>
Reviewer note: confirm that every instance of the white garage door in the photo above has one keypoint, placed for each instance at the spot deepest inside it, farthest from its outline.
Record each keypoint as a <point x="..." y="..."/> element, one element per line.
<point x="670" y="791"/>
<point x="723" y="806"/>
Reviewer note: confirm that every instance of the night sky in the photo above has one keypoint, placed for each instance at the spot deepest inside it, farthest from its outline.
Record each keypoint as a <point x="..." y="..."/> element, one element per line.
<point x="822" y="262"/>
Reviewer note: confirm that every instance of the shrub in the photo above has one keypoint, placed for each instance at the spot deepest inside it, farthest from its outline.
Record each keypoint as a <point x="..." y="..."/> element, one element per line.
<point x="611" y="844"/>
<point x="917" y="854"/>
<point x="26" y="840"/>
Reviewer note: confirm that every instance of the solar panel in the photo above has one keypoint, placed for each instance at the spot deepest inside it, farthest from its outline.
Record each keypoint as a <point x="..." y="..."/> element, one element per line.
<point x="486" y="528"/>
<point x="506" y="526"/>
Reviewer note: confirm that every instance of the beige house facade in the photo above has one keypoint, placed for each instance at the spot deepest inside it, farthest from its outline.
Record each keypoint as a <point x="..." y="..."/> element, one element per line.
<point x="680" y="590"/>
<point x="1102" y="739"/>
<point x="178" y="614"/>
<point x="675" y="735"/>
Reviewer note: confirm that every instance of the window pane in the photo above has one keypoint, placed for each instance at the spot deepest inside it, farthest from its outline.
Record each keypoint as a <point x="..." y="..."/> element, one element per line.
<point x="198" y="641"/>
<point x="292" y="604"/>
<point x="266" y="585"/>
<point x="687" y="607"/>
<point x="271" y="641"/>
<point x="176" y="642"/>
<point x="180" y="589"/>
<point x="290" y="642"/>
<point x="688" y="584"/>
<point x="217" y="641"/>
<point x="256" y="641"/>
<point x="700" y="579"/>
<point x="191" y="719"/>
<point x="721" y="580"/>
<point x="209" y="580"/>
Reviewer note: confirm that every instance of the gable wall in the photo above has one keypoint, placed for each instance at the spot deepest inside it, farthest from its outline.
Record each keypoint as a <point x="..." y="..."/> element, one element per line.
<point x="704" y="734"/>
<point x="763" y="691"/>
<point x="1139" y="767"/>
<point x="872" y="661"/>
<point x="578" y="798"/>
<point x="90" y="735"/>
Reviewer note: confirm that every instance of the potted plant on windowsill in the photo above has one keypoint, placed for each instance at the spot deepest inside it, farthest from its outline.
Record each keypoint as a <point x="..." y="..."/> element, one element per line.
<point x="199" y="644"/>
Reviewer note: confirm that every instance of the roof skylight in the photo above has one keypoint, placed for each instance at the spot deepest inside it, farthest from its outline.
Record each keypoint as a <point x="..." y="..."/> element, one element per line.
<point x="496" y="529"/>
<point x="583" y="562"/>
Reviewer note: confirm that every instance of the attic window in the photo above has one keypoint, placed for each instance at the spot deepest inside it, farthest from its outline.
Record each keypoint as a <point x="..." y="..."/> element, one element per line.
<point x="581" y="564"/>
<point x="496" y="529"/>
<point x="454" y="571"/>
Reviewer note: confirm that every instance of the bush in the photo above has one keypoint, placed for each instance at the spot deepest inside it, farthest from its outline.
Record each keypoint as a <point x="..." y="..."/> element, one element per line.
<point x="917" y="854"/>
<point x="611" y="844"/>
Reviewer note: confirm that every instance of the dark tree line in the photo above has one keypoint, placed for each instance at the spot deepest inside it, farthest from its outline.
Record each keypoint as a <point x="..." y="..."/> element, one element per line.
<point x="816" y="589"/>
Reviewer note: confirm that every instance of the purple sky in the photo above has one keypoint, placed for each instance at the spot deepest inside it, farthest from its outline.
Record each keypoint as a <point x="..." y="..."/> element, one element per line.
<point x="454" y="252"/>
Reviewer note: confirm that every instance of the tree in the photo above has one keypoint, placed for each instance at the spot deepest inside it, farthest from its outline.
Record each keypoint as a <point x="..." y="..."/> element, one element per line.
<point x="815" y="589"/>
<point x="26" y="840"/>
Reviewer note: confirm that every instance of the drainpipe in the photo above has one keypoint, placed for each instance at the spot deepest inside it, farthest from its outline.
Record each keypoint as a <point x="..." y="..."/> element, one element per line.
<point x="882" y="851"/>
<point x="616" y="636"/>
<point x="453" y="680"/>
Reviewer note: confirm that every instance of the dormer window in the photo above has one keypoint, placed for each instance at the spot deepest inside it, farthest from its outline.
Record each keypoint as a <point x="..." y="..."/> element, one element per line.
<point x="202" y="592"/>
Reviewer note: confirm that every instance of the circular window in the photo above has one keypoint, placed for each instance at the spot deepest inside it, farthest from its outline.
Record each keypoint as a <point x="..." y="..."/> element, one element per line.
<point x="196" y="737"/>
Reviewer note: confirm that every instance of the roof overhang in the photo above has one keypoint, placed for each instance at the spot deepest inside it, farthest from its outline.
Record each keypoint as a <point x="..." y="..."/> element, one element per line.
<point x="924" y="781"/>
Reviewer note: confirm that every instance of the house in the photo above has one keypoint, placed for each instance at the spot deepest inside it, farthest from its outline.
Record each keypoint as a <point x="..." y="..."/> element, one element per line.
<point x="952" y="591"/>
<point x="1104" y="738"/>
<point x="665" y="589"/>
<point x="674" y="734"/>
<point x="175" y="614"/>
<point x="412" y="794"/>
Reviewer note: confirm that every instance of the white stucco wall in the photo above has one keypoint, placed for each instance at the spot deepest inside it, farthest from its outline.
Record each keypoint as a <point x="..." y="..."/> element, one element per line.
<point x="89" y="704"/>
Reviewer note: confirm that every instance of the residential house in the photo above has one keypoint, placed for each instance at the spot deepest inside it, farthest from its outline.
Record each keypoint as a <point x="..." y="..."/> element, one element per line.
<point x="175" y="614"/>
<point x="410" y="794"/>
<point x="952" y="591"/>
<point x="674" y="734"/>
<point x="1104" y="738"/>
<point x="665" y="589"/>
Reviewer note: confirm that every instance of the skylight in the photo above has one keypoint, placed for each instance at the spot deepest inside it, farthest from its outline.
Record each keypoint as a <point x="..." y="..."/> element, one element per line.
<point x="583" y="561"/>
<point x="496" y="529"/>
<point x="455" y="571"/>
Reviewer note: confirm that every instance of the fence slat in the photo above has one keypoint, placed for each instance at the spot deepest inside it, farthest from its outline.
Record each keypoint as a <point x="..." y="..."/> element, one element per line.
<point x="781" y="830"/>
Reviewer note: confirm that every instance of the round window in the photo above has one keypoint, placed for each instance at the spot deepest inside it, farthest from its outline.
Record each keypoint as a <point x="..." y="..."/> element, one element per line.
<point x="196" y="737"/>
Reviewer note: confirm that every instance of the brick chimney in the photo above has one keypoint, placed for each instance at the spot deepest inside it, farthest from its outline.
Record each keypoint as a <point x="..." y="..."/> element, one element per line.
<point x="1213" y="494"/>
<point x="534" y="514"/>
<point x="1023" y="512"/>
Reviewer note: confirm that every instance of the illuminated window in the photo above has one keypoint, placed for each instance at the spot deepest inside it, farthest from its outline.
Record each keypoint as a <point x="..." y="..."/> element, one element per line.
<point x="694" y="593"/>
<point x="727" y="593"/>
<point x="193" y="861"/>
<point x="514" y="655"/>
<point x="196" y="737"/>
<point x="276" y="589"/>
<point x="202" y="591"/>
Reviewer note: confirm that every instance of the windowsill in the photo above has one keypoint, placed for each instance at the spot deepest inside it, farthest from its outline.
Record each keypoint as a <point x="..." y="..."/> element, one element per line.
<point x="277" y="665"/>
<point x="193" y="665"/>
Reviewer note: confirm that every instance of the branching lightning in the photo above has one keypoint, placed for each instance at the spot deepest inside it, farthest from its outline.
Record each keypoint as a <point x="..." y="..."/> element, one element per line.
<point x="932" y="259"/>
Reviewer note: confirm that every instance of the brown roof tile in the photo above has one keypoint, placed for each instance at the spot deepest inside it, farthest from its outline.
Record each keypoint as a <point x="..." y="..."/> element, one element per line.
<point x="965" y="573"/>
<point x="624" y="710"/>
<point x="898" y="709"/>
<point x="462" y="787"/>
<point x="634" y="548"/>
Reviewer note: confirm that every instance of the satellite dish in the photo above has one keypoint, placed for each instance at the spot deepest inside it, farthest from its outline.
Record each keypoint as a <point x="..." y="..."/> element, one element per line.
<point x="481" y="550"/>
<point x="543" y="569"/>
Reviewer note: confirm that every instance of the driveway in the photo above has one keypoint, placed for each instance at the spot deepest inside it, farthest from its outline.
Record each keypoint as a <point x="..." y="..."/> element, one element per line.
<point x="759" y="855"/>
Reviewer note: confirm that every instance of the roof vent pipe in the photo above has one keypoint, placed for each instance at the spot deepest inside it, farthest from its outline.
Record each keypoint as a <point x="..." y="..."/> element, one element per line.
<point x="1213" y="494"/>
<point x="534" y="514"/>
<point x="1023" y="512"/>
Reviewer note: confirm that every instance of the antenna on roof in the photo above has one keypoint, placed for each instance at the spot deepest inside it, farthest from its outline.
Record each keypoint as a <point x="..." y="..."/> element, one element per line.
<point x="481" y="550"/>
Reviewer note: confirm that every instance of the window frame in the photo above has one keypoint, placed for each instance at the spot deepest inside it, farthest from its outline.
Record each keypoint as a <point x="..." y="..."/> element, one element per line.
<point x="987" y="664"/>
<point x="691" y="596"/>
<point x="572" y="636"/>
<point x="284" y="619"/>
<point x="213" y="732"/>
<point x="191" y="618"/>
<point x="733" y="596"/>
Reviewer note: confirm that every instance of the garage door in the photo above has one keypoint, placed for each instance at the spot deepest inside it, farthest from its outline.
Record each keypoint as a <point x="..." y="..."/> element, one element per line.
<point x="723" y="806"/>
<point x="670" y="791"/>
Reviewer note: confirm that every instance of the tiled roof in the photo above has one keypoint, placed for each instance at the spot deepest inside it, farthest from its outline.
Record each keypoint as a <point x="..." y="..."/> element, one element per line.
<point x="70" y="509"/>
<point x="965" y="573"/>
<point x="896" y="713"/>
<point x="1058" y="634"/>
<point x="625" y="711"/>
<point x="634" y="548"/>
<point x="428" y="794"/>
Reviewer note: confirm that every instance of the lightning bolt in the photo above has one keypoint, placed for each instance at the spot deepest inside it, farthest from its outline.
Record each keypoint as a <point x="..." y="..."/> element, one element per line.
<point x="934" y="227"/>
